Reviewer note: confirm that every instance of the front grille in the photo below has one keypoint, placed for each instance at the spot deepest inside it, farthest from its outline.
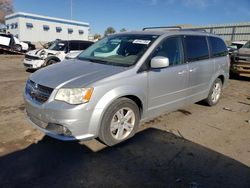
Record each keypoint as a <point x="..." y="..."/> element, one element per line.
<point x="32" y="57"/>
<point x="38" y="92"/>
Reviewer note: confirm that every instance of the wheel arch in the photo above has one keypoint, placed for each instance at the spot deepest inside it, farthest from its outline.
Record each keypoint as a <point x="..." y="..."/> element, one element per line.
<point x="106" y="100"/>
<point x="52" y="58"/>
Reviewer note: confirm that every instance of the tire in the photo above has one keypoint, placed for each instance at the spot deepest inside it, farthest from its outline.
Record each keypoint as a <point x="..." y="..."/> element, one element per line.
<point x="215" y="93"/>
<point x="17" y="47"/>
<point x="51" y="62"/>
<point x="115" y="127"/>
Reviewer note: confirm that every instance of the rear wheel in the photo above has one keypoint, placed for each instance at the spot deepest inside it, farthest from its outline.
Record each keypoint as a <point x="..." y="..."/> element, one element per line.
<point x="120" y="121"/>
<point x="215" y="93"/>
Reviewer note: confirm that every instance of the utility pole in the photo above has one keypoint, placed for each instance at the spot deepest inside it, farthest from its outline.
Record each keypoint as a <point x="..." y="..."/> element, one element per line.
<point x="71" y="9"/>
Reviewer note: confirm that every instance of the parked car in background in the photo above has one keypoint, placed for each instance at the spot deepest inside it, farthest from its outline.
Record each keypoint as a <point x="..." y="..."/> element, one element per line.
<point x="235" y="46"/>
<point x="48" y="44"/>
<point x="10" y="41"/>
<point x="240" y="61"/>
<point x="124" y="79"/>
<point x="36" y="59"/>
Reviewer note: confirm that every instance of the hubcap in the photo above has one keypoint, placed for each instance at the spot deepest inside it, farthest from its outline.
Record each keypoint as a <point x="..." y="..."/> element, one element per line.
<point x="122" y="123"/>
<point x="216" y="92"/>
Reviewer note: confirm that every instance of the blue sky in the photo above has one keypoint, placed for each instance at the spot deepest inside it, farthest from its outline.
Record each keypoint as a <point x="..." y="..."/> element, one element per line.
<point x="136" y="14"/>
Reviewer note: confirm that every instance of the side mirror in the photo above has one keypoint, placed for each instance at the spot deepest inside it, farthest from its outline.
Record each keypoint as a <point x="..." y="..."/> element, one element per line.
<point x="159" y="62"/>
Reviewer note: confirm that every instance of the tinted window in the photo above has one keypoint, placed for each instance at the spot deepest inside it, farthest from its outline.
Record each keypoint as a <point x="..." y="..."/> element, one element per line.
<point x="29" y="25"/>
<point x="218" y="47"/>
<point x="58" y="29"/>
<point x="172" y="49"/>
<point x="70" y="31"/>
<point x="74" y="46"/>
<point x="196" y="48"/>
<point x="45" y="27"/>
<point x="84" y="45"/>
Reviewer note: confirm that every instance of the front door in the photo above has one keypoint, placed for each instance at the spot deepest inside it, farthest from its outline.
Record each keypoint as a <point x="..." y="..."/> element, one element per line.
<point x="167" y="86"/>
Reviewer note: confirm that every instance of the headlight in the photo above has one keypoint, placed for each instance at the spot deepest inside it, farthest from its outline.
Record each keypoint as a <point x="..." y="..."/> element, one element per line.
<point x="74" y="95"/>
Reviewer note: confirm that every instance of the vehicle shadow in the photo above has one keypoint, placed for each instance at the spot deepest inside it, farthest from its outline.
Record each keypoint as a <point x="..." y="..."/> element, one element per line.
<point x="31" y="70"/>
<point x="241" y="78"/>
<point x="152" y="158"/>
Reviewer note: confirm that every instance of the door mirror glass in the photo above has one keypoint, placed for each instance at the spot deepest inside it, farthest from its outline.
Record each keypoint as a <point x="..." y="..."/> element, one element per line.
<point x="159" y="62"/>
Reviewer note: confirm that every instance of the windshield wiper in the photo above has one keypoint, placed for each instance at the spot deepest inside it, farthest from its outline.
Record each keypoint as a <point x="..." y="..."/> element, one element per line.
<point x="103" y="62"/>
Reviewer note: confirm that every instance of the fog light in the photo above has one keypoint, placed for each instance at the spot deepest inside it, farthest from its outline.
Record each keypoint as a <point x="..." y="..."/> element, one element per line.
<point x="58" y="129"/>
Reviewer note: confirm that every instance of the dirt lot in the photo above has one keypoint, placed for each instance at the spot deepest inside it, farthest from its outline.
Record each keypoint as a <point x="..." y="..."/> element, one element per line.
<point x="197" y="146"/>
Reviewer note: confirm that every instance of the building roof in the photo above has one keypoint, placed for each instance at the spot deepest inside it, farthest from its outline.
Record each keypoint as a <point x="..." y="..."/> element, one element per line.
<point x="45" y="18"/>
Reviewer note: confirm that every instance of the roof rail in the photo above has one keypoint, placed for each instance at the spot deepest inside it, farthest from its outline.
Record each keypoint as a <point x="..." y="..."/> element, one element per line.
<point x="164" y="28"/>
<point x="193" y="29"/>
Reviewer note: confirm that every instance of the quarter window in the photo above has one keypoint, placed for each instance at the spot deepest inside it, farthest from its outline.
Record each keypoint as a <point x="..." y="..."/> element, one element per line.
<point x="172" y="49"/>
<point x="196" y="48"/>
<point x="218" y="47"/>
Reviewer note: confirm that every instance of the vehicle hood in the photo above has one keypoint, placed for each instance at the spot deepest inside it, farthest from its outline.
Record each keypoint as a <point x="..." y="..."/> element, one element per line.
<point x="74" y="74"/>
<point x="38" y="52"/>
<point x="244" y="51"/>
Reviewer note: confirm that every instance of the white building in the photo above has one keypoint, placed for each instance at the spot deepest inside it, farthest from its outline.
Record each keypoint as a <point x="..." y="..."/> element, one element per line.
<point x="36" y="28"/>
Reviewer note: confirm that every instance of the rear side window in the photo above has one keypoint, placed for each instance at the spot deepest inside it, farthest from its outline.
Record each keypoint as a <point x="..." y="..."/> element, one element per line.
<point x="196" y="48"/>
<point x="84" y="45"/>
<point x="73" y="46"/>
<point x="218" y="47"/>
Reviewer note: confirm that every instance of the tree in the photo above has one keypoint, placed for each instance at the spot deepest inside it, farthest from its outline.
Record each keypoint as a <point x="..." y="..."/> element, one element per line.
<point x="6" y="7"/>
<point x="123" y="30"/>
<point x="97" y="36"/>
<point x="109" y="30"/>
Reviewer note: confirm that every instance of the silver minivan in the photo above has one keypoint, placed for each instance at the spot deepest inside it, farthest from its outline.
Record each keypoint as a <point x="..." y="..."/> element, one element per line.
<point x="124" y="79"/>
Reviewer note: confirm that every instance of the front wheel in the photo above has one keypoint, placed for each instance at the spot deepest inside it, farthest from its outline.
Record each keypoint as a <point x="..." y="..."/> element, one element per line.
<point x="215" y="93"/>
<point x="51" y="62"/>
<point x="120" y="121"/>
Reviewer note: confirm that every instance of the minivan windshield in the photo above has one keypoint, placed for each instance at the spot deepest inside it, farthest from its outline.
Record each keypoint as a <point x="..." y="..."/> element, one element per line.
<point x="58" y="46"/>
<point x="120" y="50"/>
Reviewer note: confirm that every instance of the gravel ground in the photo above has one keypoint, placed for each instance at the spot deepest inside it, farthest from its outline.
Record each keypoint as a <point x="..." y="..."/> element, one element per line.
<point x="196" y="146"/>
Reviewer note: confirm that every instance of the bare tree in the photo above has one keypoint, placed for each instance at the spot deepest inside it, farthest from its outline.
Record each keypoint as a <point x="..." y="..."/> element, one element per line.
<point x="6" y="7"/>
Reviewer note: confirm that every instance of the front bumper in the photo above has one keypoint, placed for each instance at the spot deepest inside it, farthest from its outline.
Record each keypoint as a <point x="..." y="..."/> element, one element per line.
<point x="76" y="119"/>
<point x="33" y="64"/>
